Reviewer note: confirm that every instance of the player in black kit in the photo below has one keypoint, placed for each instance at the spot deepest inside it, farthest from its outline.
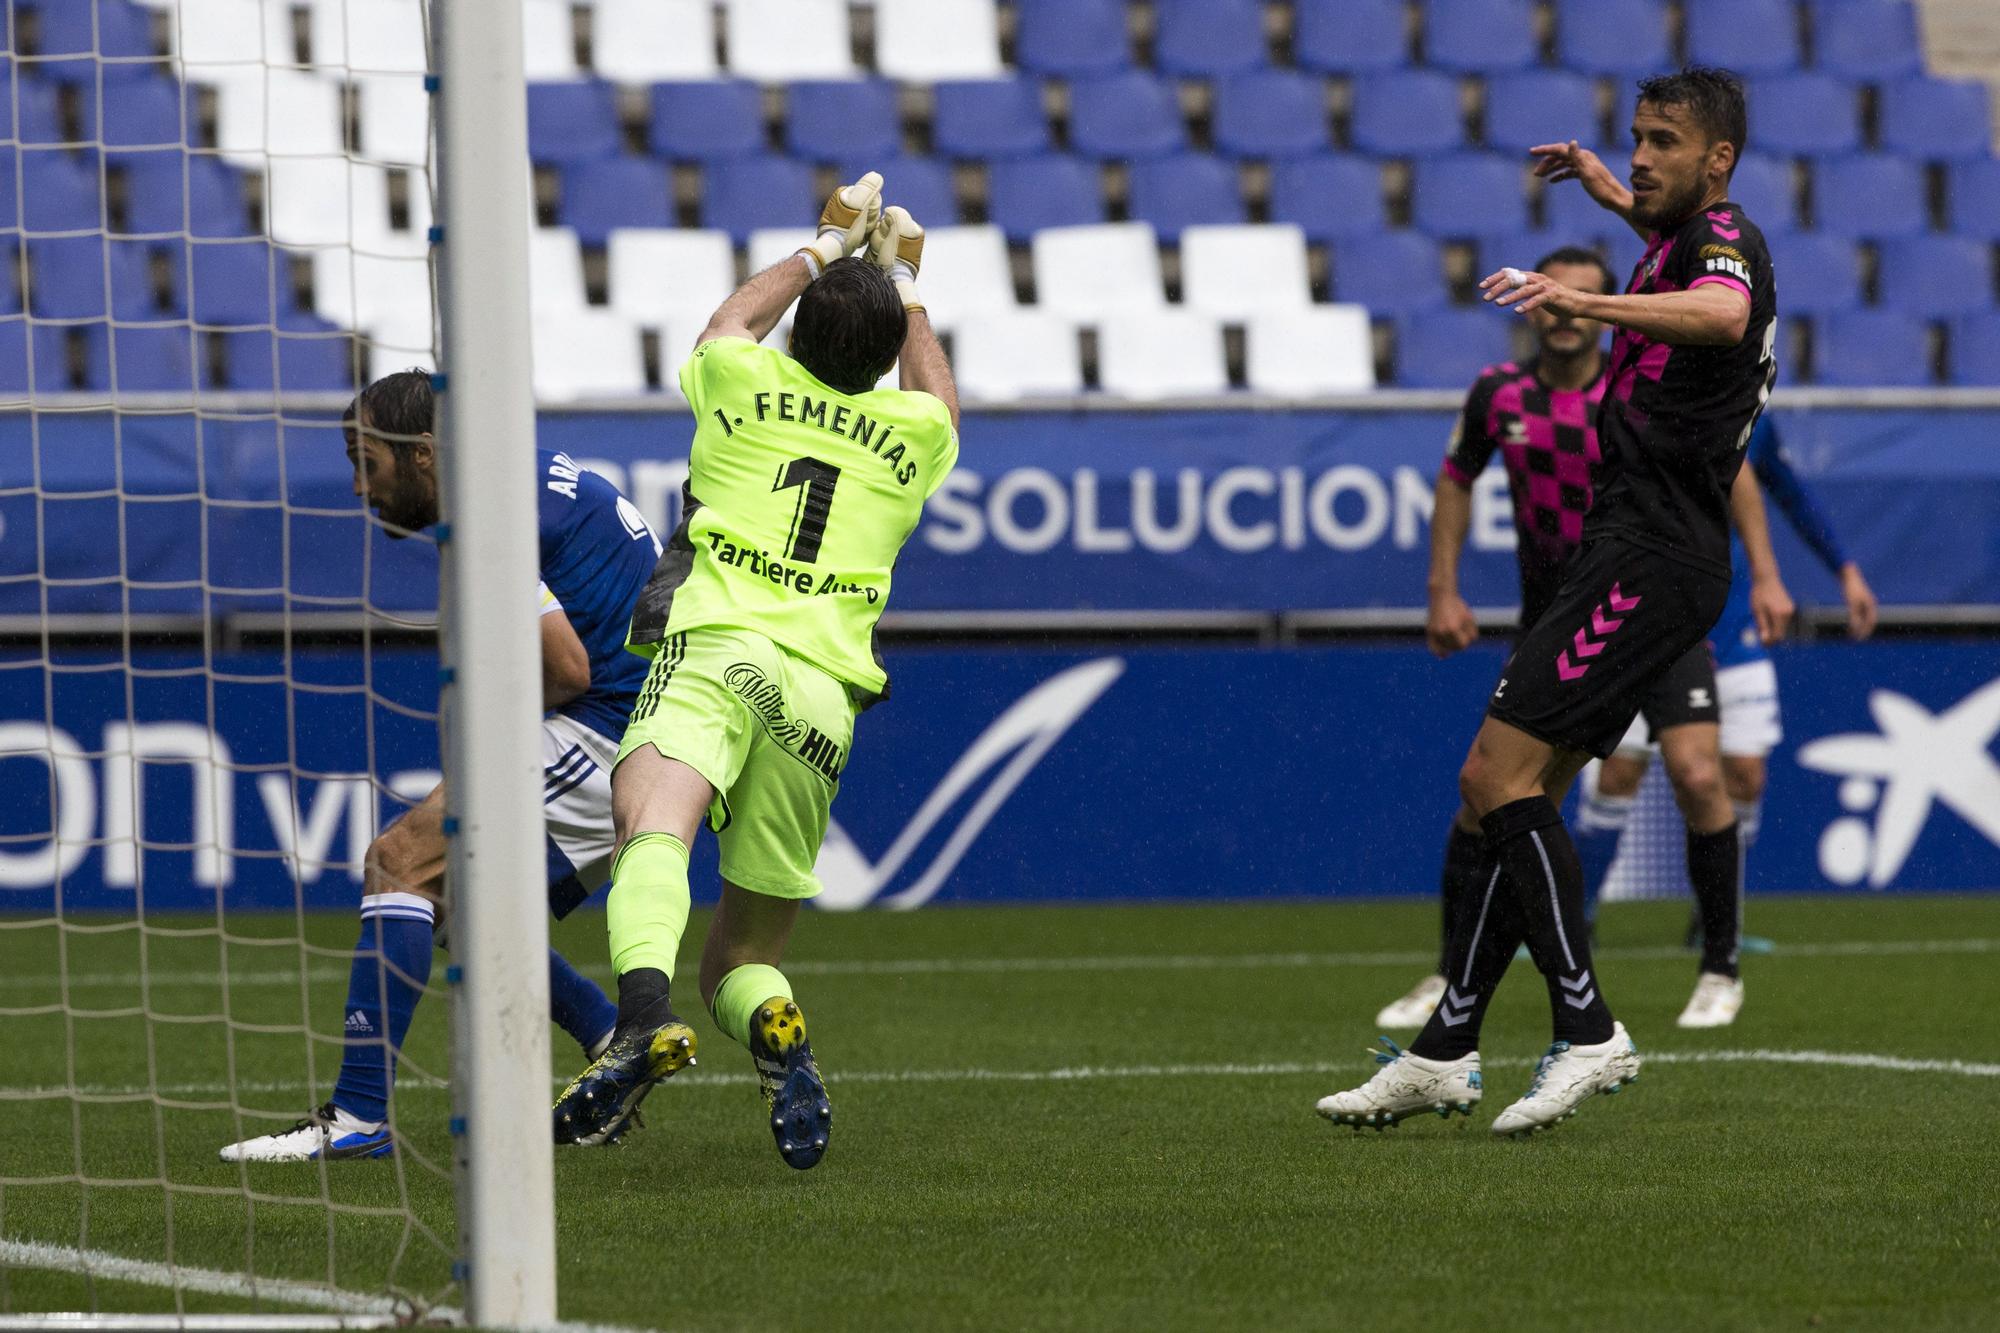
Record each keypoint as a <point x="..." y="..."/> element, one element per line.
<point x="1691" y="366"/>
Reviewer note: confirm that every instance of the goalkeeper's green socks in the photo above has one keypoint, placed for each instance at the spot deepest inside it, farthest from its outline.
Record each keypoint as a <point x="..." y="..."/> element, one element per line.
<point x="647" y="914"/>
<point x="742" y="993"/>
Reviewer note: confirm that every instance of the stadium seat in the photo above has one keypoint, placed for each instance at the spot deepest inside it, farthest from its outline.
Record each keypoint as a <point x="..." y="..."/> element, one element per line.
<point x="1446" y="349"/>
<point x="1031" y="193"/>
<point x="51" y="358"/>
<point x="1234" y="273"/>
<point x="1768" y="191"/>
<point x="1351" y="36"/>
<point x="1747" y="36"/>
<point x="573" y="122"/>
<point x="621" y="192"/>
<point x="114" y="39"/>
<point x="1816" y="274"/>
<point x="1873" y="40"/>
<point x="1975" y="350"/>
<point x="1185" y="190"/>
<point x="1937" y="119"/>
<point x="778" y="41"/>
<point x="58" y="192"/>
<point x="1620" y="37"/>
<point x="1407" y="113"/>
<point x="583" y="352"/>
<point x="1319" y="349"/>
<point x="1974" y="193"/>
<point x="1539" y="106"/>
<point x="68" y="277"/>
<point x="921" y="41"/>
<point x="139" y="358"/>
<point x="303" y="357"/>
<point x="769" y="245"/>
<point x="548" y="41"/>
<point x="1090" y="272"/>
<point x="663" y="272"/>
<point x="555" y="270"/>
<point x="966" y="274"/>
<point x="989" y="118"/>
<point x="369" y="36"/>
<point x="1014" y="354"/>
<point x="1480" y="36"/>
<point x="242" y="282"/>
<point x="1469" y="194"/>
<point x="923" y="185"/>
<point x="826" y="121"/>
<point x="37" y="118"/>
<point x="1207" y="39"/>
<point x="322" y="201"/>
<point x="136" y="113"/>
<point x="219" y="39"/>
<point x="1330" y="195"/>
<point x="1271" y="113"/>
<point x="394" y="119"/>
<point x="1162" y="354"/>
<point x="1871" y="195"/>
<point x="701" y="122"/>
<point x="1127" y="115"/>
<point x="1522" y="249"/>
<point x="266" y="113"/>
<point x="1072" y="37"/>
<point x="1571" y="214"/>
<point x="1871" y="347"/>
<point x="652" y="41"/>
<point x="1804" y="114"/>
<point x="1935" y="277"/>
<point x="741" y="194"/>
<point x="1392" y="272"/>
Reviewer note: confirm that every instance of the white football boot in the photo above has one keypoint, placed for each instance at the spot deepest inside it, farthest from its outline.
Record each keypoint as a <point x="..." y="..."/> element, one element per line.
<point x="1565" y="1077"/>
<point x="1414" y="1009"/>
<point x="326" y="1133"/>
<point x="1715" y="1003"/>
<point x="1404" y="1086"/>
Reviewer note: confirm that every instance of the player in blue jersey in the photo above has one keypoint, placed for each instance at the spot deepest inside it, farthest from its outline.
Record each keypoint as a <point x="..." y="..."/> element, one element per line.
<point x="1746" y="687"/>
<point x="596" y="555"/>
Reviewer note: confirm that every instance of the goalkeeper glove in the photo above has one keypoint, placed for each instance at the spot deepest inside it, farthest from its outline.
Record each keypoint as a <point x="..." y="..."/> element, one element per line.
<point x="845" y="223"/>
<point x="897" y="248"/>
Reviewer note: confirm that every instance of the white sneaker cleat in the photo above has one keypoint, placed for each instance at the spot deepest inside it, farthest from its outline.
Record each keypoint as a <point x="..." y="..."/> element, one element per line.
<point x="327" y="1132"/>
<point x="1404" y="1086"/>
<point x="1414" y="1009"/>
<point x="1715" y="1003"/>
<point x="1565" y="1077"/>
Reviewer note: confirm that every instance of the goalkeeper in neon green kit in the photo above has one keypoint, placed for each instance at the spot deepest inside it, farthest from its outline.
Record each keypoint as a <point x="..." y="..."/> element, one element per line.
<point x="804" y="482"/>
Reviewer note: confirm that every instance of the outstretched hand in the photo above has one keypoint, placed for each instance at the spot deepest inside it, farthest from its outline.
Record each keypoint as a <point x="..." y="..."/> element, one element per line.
<point x="1533" y="291"/>
<point x="1571" y="161"/>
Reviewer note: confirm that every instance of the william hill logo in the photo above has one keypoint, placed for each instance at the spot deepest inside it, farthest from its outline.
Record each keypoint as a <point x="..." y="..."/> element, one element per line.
<point x="823" y="753"/>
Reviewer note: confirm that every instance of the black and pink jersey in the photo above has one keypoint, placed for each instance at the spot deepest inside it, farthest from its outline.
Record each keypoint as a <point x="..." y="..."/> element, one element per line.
<point x="1547" y="439"/>
<point x="1676" y="419"/>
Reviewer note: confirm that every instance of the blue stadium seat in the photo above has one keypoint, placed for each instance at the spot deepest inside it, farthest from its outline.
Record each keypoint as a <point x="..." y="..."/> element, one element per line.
<point x="1125" y="115"/>
<point x="227" y="283"/>
<point x="1469" y="194"/>
<point x="1407" y="113"/>
<point x="989" y="118"/>
<point x="116" y="29"/>
<point x="51" y="361"/>
<point x="1804" y="114"/>
<point x="1446" y="349"/>
<point x="1271" y="113"/>
<point x="139" y="113"/>
<point x="1623" y="37"/>
<point x="1351" y="36"/>
<point x="1331" y="196"/>
<point x="921" y="184"/>
<point x="1975" y="350"/>
<point x="1185" y="190"/>
<point x="1026" y="194"/>
<point x="618" y="192"/>
<point x="1766" y="189"/>
<point x="1393" y="273"/>
<point x="1939" y="119"/>
<point x="573" y="122"/>
<point x="1872" y="40"/>
<point x="1208" y="38"/>
<point x="38" y="118"/>
<point x="1816" y="274"/>
<point x="1480" y="36"/>
<point x="10" y="276"/>
<point x="1935" y="277"/>
<point x="1870" y="195"/>
<point x="306" y="355"/>
<point x="1974" y="192"/>
<point x="1865" y="347"/>
<point x="1072" y="37"/>
<point x="1572" y="214"/>
<point x="10" y="196"/>
<point x="1539" y="106"/>
<point x="1748" y="36"/>
<point x="842" y="119"/>
<point x="1519" y="248"/>
<point x="702" y="122"/>
<point x="168" y="191"/>
<point x="151" y="358"/>
<point x="741" y="194"/>
<point x="67" y="277"/>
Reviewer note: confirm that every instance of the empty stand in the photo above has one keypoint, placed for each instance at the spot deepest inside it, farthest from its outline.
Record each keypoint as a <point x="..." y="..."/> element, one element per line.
<point x="1319" y="349"/>
<point x="1015" y="354"/>
<point x="664" y="273"/>
<point x="1235" y="273"/>
<point x="925" y="40"/>
<point x="1093" y="272"/>
<point x="1164" y="354"/>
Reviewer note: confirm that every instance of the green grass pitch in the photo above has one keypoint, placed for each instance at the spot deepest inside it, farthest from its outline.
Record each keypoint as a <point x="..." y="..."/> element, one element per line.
<point x="1090" y="1118"/>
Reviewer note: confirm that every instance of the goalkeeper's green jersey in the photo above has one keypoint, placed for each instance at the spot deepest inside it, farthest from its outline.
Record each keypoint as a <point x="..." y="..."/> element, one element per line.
<point x="799" y="498"/>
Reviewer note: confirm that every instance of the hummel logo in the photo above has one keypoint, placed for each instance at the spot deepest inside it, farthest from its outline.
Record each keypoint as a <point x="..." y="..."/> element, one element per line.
<point x="1579" y="991"/>
<point x="1517" y="431"/>
<point x="358" y="1024"/>
<point x="1455" y="1008"/>
<point x="1698" y="697"/>
<point x="1727" y="233"/>
<point x="1603" y="626"/>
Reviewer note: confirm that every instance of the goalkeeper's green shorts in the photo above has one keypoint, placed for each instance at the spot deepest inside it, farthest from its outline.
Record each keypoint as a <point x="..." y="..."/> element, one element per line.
<point x="768" y="730"/>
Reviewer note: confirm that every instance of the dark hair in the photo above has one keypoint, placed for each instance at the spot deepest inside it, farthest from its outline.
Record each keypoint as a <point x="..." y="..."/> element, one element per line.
<point x="1576" y="254"/>
<point x="1713" y="97"/>
<point x="400" y="408"/>
<point x="850" y="326"/>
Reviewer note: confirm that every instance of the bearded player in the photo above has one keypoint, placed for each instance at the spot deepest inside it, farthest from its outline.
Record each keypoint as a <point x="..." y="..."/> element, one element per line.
<point x="804" y="483"/>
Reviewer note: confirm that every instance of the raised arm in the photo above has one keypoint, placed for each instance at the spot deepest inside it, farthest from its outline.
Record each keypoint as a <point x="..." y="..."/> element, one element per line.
<point x="1556" y="162"/>
<point x="755" y="308"/>
<point x="898" y="247"/>
<point x="1712" y="314"/>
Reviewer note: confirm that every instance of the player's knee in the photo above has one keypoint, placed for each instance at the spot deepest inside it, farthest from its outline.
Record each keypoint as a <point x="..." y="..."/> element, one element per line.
<point x="1743" y="775"/>
<point x="1697" y="781"/>
<point x="1619" y="776"/>
<point x="395" y="864"/>
<point x="1480" y="784"/>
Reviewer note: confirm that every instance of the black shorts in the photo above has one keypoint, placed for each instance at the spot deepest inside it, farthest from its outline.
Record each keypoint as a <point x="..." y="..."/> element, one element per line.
<point x="1617" y="630"/>
<point x="1685" y="694"/>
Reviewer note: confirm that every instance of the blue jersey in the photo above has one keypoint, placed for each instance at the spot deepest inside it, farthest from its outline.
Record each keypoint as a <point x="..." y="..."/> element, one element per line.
<point x="1735" y="637"/>
<point x="596" y="554"/>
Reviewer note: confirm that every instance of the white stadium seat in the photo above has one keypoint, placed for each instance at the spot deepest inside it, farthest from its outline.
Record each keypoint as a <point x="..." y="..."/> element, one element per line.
<point x="372" y="292"/>
<point x="1235" y="272"/>
<point x="583" y="352"/>
<point x="277" y="113"/>
<point x="776" y="41"/>
<point x="1105" y="269"/>
<point x="369" y="36"/>
<point x="653" y="41"/>
<point x="966" y="274"/>
<point x="768" y="245"/>
<point x="1016" y="354"/>
<point x="1161" y="354"/>
<point x="662" y="275"/>
<point x="1321" y="349"/>
<point x="400" y="342"/>
<point x="324" y="200"/>
<point x="555" y="271"/>
<point x="220" y="39"/>
<point x="395" y="119"/>
<point x="548" y="41"/>
<point x="921" y="41"/>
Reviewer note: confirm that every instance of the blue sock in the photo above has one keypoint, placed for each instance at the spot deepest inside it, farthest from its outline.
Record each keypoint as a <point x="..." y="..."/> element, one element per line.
<point x="579" y="1005"/>
<point x="392" y="964"/>
<point x="1600" y="823"/>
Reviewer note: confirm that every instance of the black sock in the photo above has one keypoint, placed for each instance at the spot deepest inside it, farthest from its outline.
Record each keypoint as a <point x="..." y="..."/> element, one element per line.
<point x="1459" y="886"/>
<point x="1484" y="936"/>
<point x="1715" y="869"/>
<point x="1539" y="864"/>
<point x="642" y="998"/>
